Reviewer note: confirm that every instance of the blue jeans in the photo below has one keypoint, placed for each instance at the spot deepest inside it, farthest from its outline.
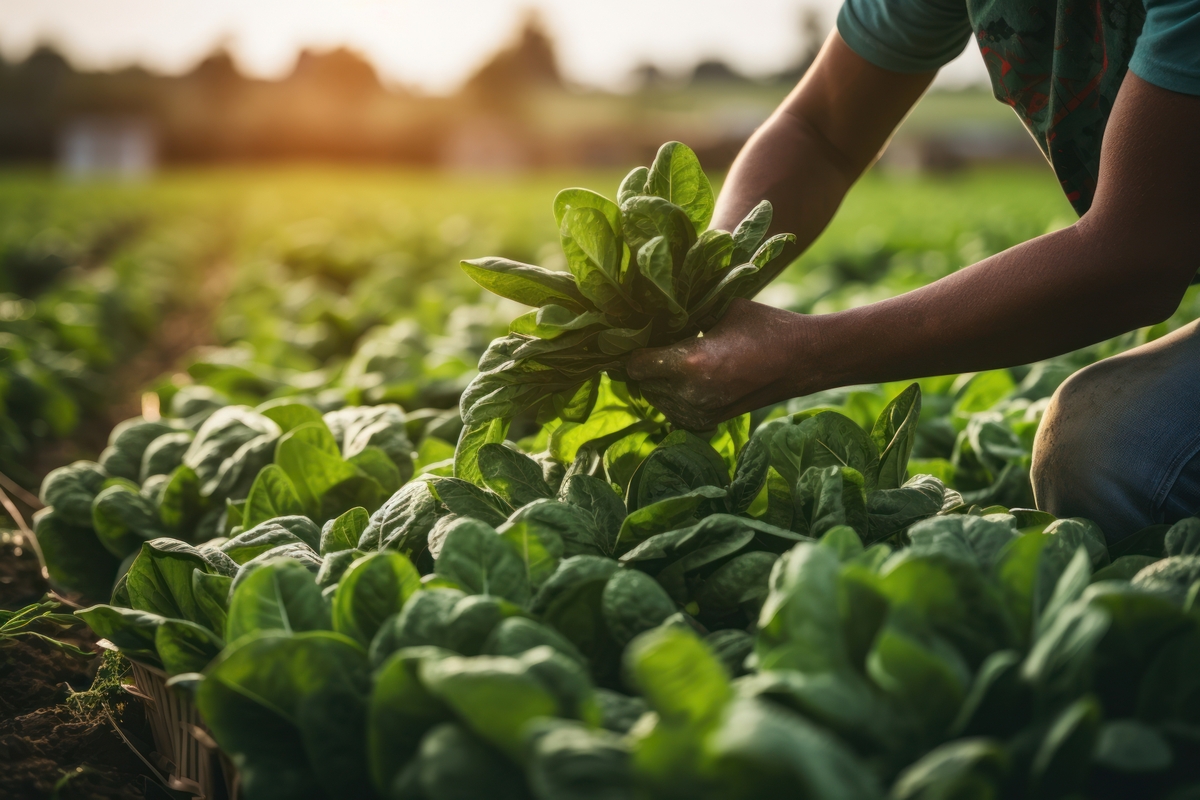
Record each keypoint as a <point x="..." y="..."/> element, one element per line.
<point x="1120" y="441"/>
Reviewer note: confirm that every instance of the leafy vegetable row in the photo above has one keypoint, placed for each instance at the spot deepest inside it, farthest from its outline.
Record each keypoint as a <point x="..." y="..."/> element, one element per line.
<point x="215" y="469"/>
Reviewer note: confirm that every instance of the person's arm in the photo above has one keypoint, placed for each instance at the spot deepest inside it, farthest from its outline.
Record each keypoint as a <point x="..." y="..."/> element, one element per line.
<point x="1124" y="264"/>
<point x="823" y="136"/>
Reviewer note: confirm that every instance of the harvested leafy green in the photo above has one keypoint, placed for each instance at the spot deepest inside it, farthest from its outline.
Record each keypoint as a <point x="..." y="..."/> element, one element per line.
<point x="645" y="270"/>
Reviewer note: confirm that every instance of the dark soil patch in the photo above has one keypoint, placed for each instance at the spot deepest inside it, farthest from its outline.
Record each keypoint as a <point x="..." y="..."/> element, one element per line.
<point x="21" y="578"/>
<point x="46" y="749"/>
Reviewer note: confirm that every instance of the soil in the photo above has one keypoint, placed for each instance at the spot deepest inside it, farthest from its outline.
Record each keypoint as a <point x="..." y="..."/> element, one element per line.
<point x="47" y="749"/>
<point x="21" y="579"/>
<point x="45" y="746"/>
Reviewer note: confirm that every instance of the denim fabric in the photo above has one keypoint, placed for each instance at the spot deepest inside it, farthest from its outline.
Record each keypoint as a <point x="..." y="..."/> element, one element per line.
<point x="1120" y="442"/>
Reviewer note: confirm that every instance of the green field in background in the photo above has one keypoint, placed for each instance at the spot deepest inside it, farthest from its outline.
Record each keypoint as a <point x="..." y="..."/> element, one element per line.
<point x="963" y="215"/>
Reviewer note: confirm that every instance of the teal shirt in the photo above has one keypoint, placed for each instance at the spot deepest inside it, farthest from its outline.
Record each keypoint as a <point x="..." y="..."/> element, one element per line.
<point x="1058" y="63"/>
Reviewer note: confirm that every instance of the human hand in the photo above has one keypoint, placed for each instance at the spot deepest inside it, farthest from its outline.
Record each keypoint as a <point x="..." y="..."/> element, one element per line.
<point x="746" y="361"/>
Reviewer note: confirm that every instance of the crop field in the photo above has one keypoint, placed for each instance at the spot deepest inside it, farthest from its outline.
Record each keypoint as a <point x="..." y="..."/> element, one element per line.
<point x="392" y="532"/>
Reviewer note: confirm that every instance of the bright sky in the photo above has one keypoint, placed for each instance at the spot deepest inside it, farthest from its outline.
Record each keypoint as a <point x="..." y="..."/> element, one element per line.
<point x="433" y="44"/>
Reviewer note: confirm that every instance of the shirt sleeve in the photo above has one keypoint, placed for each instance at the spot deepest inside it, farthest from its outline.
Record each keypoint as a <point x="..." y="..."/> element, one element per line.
<point x="906" y="35"/>
<point x="1167" y="53"/>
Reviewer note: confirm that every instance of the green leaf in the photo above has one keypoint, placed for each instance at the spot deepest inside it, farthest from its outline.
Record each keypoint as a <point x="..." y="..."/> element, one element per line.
<point x="926" y="676"/>
<point x="570" y="603"/>
<point x="70" y="490"/>
<point x="288" y="414"/>
<point x="344" y="532"/>
<point x="646" y="217"/>
<point x="739" y="585"/>
<point x="569" y="199"/>
<point x="799" y="626"/>
<point x="665" y="515"/>
<point x="763" y="750"/>
<point x="375" y="463"/>
<point x="185" y="646"/>
<point x="399" y="713"/>
<point x="467" y="500"/>
<point x="676" y="176"/>
<point x="123" y="519"/>
<point x="894" y="433"/>
<point x="527" y="284"/>
<point x="279" y="595"/>
<point x="892" y="510"/>
<point x="539" y="547"/>
<point x="705" y="261"/>
<point x="517" y="635"/>
<point x="633" y="184"/>
<point x="312" y="460"/>
<point x="1183" y="539"/>
<point x="474" y="436"/>
<point x="271" y="534"/>
<point x="824" y="498"/>
<point x="495" y="695"/>
<point x="569" y="524"/>
<point x="825" y="439"/>
<point x="211" y="593"/>
<point x="514" y="476"/>
<point x="423" y="622"/>
<point x="272" y="495"/>
<point x="682" y="462"/>
<point x="74" y="556"/>
<point x="749" y="475"/>
<point x="568" y="759"/>
<point x="477" y="558"/>
<point x="623" y="456"/>
<point x="633" y="602"/>
<point x="403" y="523"/>
<point x="334" y="566"/>
<point x="130" y="630"/>
<point x="375" y="587"/>
<point x="551" y="321"/>
<point x="1064" y="755"/>
<point x="603" y="504"/>
<point x="594" y="256"/>
<point x="655" y="264"/>
<point x="678" y="676"/>
<point x="1131" y="747"/>
<point x="962" y="768"/>
<point x="472" y="621"/>
<point x="181" y="505"/>
<point x="750" y="232"/>
<point x="291" y="711"/>
<point x="455" y="762"/>
<point x="160" y="580"/>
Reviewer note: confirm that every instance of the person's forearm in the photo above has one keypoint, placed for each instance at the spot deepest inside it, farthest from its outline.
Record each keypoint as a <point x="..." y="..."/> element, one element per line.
<point x="823" y="136"/>
<point x="1125" y="264"/>
<point x="1048" y="296"/>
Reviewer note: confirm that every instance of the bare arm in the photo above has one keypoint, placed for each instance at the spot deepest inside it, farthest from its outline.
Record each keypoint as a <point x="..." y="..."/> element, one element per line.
<point x="1125" y="264"/>
<point x="823" y="136"/>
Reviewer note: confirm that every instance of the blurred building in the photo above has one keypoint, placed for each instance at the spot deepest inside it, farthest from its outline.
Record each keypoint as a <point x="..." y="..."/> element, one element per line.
<point x="123" y="147"/>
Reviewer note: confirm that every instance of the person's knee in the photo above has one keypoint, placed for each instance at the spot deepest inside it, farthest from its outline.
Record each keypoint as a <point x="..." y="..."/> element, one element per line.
<point x="1068" y="451"/>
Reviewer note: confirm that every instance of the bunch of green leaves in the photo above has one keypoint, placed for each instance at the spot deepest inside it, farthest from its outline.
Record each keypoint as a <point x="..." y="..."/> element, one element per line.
<point x="645" y="270"/>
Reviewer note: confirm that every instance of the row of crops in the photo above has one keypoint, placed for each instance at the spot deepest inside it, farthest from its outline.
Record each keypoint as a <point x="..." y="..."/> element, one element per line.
<point x="385" y="558"/>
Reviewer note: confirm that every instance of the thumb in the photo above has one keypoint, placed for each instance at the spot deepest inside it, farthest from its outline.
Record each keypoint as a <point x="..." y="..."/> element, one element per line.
<point x="650" y="363"/>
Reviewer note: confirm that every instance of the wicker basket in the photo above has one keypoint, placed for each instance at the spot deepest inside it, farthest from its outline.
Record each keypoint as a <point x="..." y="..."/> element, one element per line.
<point x="197" y="765"/>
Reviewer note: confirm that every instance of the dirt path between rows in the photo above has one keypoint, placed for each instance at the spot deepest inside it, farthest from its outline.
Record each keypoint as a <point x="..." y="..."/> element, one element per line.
<point x="181" y="329"/>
